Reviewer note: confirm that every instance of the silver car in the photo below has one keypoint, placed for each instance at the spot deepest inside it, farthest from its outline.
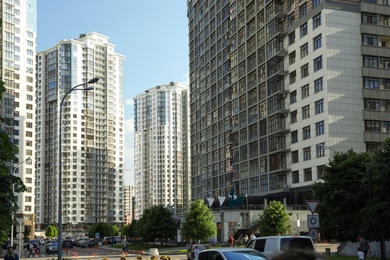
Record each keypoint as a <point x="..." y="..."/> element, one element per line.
<point x="231" y="253"/>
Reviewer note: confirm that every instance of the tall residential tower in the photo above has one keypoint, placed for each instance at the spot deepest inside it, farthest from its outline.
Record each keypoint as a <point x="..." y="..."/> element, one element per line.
<point x="161" y="148"/>
<point x="18" y="51"/>
<point x="276" y="87"/>
<point x="92" y="133"/>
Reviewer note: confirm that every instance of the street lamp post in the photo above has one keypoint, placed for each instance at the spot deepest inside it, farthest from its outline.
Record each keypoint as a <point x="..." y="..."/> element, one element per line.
<point x="13" y="187"/>
<point x="91" y="81"/>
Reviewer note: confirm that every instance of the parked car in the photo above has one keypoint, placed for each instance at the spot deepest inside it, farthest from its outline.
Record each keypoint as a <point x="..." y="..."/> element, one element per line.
<point x="231" y="253"/>
<point x="52" y="248"/>
<point x="67" y="244"/>
<point x="275" y="245"/>
<point x="79" y="241"/>
<point x="190" y="251"/>
<point x="90" y="243"/>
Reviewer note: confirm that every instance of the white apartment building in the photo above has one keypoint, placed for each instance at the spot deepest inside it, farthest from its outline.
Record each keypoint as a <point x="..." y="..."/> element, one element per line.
<point x="161" y="148"/>
<point x="276" y="87"/>
<point x="18" y="51"/>
<point x="92" y="133"/>
<point x="128" y="203"/>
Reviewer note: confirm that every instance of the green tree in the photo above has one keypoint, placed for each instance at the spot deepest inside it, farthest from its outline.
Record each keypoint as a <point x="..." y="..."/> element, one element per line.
<point x="104" y="230"/>
<point x="376" y="183"/>
<point x="115" y="230"/>
<point x="9" y="182"/>
<point x="156" y="222"/>
<point x="199" y="223"/>
<point x="341" y="196"/>
<point x="274" y="220"/>
<point x="50" y="231"/>
<point x="129" y="230"/>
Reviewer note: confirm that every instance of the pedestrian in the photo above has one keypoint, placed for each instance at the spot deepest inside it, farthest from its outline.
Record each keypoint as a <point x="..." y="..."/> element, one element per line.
<point x="11" y="255"/>
<point x="246" y="238"/>
<point x="360" y="254"/>
<point x="363" y="245"/>
<point x="31" y="250"/>
<point x="252" y="236"/>
<point x="212" y="241"/>
<point x="196" y="252"/>
<point x="125" y="246"/>
<point x="112" y="241"/>
<point x="231" y="241"/>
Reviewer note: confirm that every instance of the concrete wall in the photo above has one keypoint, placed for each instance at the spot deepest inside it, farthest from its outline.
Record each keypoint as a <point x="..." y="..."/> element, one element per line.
<point x="350" y="249"/>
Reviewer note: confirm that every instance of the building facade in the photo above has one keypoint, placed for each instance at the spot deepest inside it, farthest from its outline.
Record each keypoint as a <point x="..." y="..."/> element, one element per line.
<point x="277" y="87"/>
<point x="128" y="203"/>
<point x="92" y="133"/>
<point x="18" y="51"/>
<point x="161" y="148"/>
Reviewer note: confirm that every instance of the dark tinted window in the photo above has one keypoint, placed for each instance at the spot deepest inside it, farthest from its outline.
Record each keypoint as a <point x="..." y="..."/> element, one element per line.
<point x="260" y="244"/>
<point x="291" y="243"/>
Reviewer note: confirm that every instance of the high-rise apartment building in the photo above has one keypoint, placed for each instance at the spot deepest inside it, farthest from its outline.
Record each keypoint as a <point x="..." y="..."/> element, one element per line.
<point x="276" y="87"/>
<point x="92" y="133"/>
<point x="18" y="51"/>
<point x="161" y="148"/>
<point x="128" y="203"/>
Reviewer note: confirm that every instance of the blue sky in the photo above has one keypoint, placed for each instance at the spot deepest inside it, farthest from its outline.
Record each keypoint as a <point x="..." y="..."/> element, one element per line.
<point x="152" y="34"/>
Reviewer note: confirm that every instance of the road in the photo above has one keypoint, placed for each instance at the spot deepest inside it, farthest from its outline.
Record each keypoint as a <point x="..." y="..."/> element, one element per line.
<point x="91" y="253"/>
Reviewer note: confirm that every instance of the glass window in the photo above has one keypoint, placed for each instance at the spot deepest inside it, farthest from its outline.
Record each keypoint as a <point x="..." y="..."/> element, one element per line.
<point x="373" y="126"/>
<point x="293" y="77"/>
<point x="293" y="117"/>
<point x="306" y="153"/>
<point x="316" y="21"/>
<point x="369" y="39"/>
<point x="304" y="50"/>
<point x="291" y="57"/>
<point x="305" y="91"/>
<point x="316" y="3"/>
<point x="306" y="112"/>
<point x="306" y="132"/>
<point x="295" y="176"/>
<point x="294" y="136"/>
<point x="303" y="10"/>
<point x="319" y="106"/>
<point x="293" y="97"/>
<point x="370" y="61"/>
<point x="317" y="42"/>
<point x="305" y="71"/>
<point x="318" y="63"/>
<point x="320" y="128"/>
<point x="294" y="157"/>
<point x="291" y="38"/>
<point x="371" y="82"/>
<point x="318" y="85"/>
<point x="303" y="29"/>
<point x="307" y="174"/>
<point x="320" y="151"/>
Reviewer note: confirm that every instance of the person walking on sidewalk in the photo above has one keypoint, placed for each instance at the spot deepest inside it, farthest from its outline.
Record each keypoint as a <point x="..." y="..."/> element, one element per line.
<point x="11" y="255"/>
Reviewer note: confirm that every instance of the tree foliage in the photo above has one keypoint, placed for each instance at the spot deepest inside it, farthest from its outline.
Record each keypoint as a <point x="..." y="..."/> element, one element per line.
<point x="129" y="229"/>
<point x="199" y="223"/>
<point x="376" y="183"/>
<point x="9" y="182"/>
<point x="157" y="222"/>
<point x="104" y="230"/>
<point x="51" y="231"/>
<point x="341" y="196"/>
<point x="274" y="220"/>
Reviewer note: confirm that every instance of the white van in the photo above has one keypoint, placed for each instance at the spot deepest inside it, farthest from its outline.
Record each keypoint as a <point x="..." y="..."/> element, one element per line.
<point x="274" y="245"/>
